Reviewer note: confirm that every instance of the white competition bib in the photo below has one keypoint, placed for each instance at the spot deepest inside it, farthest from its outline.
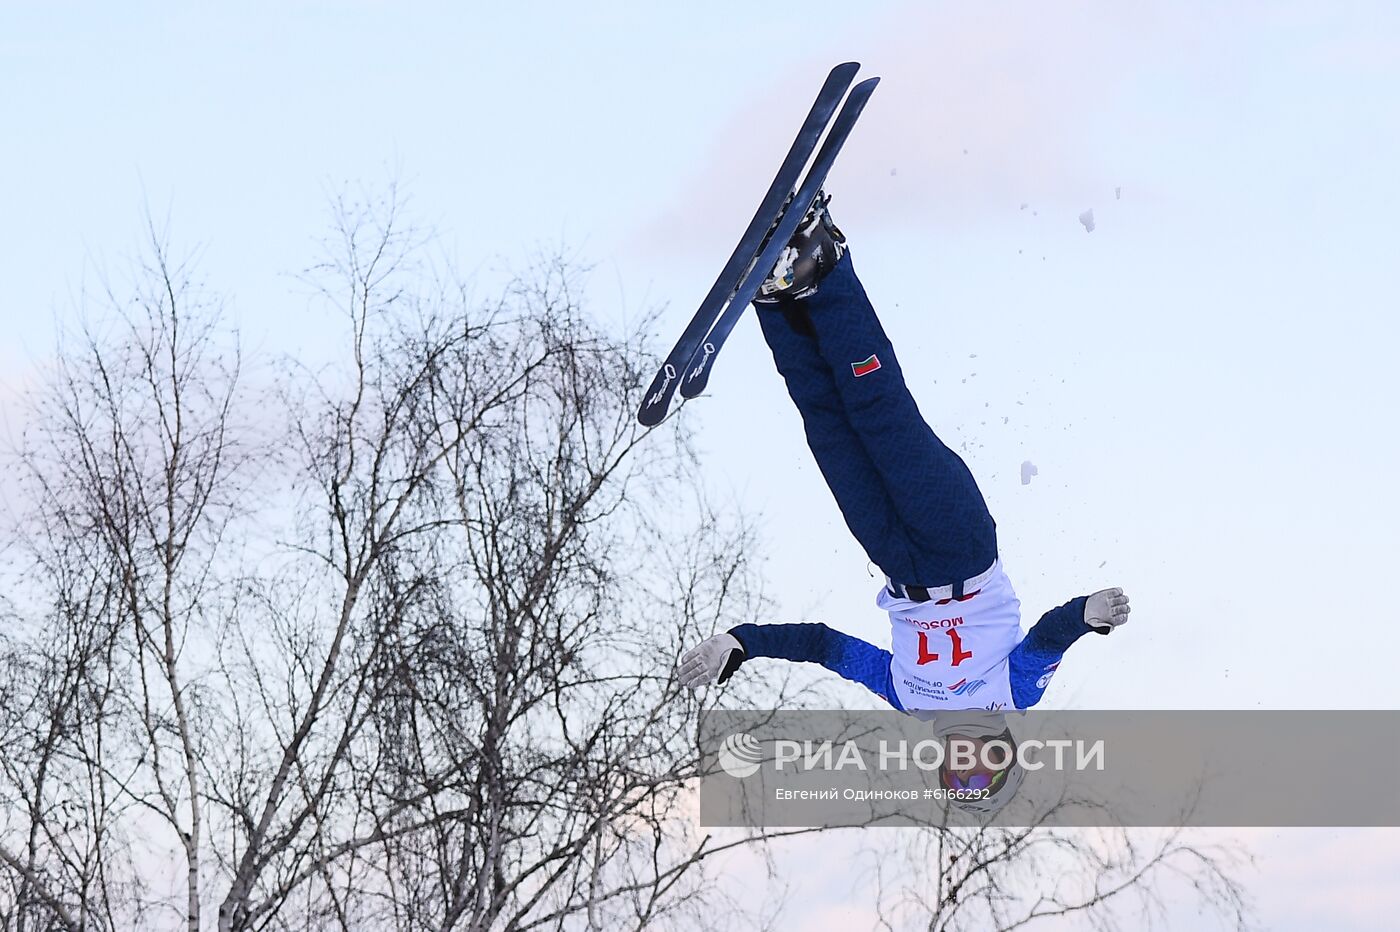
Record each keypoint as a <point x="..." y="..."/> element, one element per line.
<point x="953" y="656"/>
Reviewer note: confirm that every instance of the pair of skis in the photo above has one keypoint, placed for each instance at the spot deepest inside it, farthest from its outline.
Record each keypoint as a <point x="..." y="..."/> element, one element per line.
<point x="688" y="366"/>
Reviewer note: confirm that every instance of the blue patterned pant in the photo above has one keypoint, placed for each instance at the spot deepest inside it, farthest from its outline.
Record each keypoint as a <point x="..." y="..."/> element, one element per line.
<point x="910" y="501"/>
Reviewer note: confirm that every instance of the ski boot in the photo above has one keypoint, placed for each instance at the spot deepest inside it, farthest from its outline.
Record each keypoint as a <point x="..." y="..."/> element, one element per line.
<point x="811" y="253"/>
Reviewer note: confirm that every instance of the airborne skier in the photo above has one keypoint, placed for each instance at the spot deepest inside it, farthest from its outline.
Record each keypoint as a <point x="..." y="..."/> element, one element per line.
<point x="957" y="641"/>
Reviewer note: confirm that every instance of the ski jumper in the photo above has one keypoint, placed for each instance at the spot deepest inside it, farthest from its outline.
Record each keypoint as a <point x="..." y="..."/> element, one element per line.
<point x="914" y="506"/>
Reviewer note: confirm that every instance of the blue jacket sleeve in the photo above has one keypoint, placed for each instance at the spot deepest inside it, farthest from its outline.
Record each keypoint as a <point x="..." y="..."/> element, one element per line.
<point x="848" y="656"/>
<point x="1037" y="657"/>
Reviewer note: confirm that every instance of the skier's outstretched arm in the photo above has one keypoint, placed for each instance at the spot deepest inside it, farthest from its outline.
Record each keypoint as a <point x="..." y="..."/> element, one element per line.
<point x="716" y="659"/>
<point x="1035" y="659"/>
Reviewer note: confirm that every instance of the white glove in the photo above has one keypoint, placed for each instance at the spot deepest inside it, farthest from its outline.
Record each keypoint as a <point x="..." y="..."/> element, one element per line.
<point x="1106" y="610"/>
<point x="712" y="661"/>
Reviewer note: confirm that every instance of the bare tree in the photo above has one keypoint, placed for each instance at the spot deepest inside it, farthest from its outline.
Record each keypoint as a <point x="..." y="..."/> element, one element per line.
<point x="128" y="475"/>
<point x="953" y="878"/>
<point x="390" y="645"/>
<point x="494" y="726"/>
<point x="385" y="642"/>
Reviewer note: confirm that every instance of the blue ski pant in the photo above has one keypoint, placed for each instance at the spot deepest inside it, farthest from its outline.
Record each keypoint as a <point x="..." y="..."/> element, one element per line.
<point x="910" y="501"/>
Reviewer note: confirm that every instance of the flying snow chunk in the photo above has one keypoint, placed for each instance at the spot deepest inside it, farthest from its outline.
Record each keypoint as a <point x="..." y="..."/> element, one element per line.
<point x="1087" y="218"/>
<point x="1027" y="471"/>
<point x="1118" y="193"/>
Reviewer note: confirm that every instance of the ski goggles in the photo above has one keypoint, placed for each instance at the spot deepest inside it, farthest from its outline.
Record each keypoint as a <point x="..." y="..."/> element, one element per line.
<point x="977" y="781"/>
<point x="982" y="781"/>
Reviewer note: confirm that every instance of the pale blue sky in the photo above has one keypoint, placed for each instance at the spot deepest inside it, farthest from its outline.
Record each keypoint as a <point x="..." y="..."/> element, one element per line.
<point x="1203" y="382"/>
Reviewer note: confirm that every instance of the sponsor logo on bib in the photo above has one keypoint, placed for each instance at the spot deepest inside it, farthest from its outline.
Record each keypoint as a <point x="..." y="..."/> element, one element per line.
<point x="1045" y="677"/>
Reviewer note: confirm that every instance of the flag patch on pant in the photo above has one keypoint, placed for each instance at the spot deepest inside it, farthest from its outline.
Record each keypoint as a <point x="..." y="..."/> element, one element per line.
<point x="859" y="369"/>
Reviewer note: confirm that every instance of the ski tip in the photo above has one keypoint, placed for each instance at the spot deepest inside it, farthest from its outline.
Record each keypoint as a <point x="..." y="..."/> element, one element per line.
<point x="843" y="73"/>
